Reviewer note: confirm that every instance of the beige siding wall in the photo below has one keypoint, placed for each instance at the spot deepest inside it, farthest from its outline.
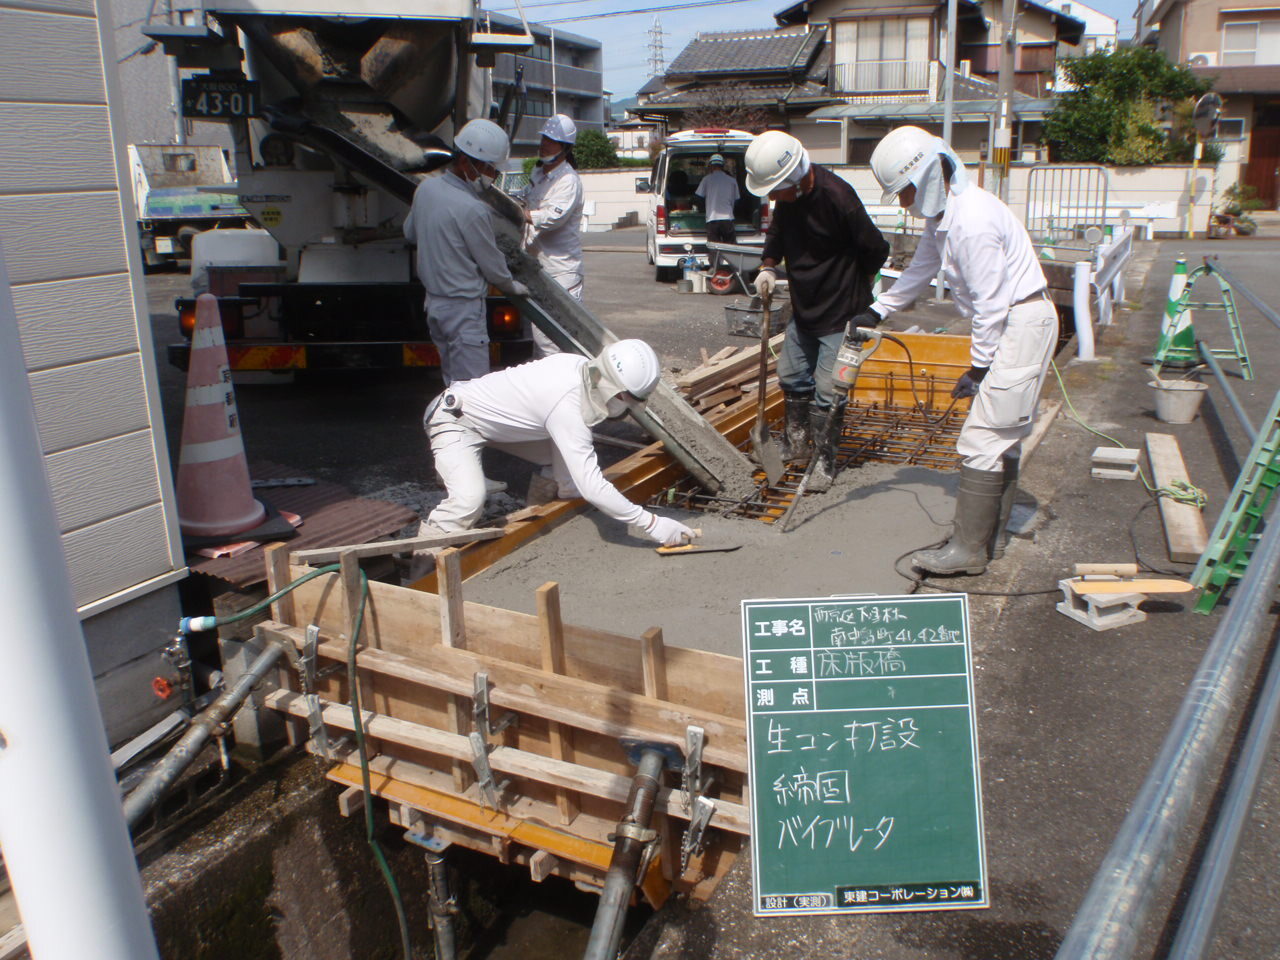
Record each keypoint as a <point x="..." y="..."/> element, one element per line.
<point x="68" y="239"/>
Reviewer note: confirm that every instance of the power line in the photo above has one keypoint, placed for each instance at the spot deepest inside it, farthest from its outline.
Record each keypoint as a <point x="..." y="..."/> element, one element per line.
<point x="628" y="13"/>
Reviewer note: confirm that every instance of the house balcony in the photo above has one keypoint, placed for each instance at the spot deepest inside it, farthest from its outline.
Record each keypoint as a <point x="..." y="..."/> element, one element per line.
<point x="539" y="75"/>
<point x="882" y="76"/>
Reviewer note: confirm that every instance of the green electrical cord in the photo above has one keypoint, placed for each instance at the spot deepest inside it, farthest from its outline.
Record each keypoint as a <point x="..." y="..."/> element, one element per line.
<point x="189" y="625"/>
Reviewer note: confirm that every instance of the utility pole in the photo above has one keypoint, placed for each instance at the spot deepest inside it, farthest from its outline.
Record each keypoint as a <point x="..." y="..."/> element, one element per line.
<point x="1002" y="147"/>
<point x="555" y="108"/>
<point x="949" y="97"/>
<point x="175" y="85"/>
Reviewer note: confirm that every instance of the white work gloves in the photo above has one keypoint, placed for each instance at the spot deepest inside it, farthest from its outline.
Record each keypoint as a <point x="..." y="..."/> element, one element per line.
<point x="668" y="532"/>
<point x="766" y="281"/>
<point x="518" y="289"/>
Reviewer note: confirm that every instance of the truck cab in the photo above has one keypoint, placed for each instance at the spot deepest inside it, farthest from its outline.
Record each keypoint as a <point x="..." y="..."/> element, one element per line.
<point x="675" y="227"/>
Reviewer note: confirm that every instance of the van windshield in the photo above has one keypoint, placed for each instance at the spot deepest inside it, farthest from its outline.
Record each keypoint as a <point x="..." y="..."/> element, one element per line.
<point x="686" y="212"/>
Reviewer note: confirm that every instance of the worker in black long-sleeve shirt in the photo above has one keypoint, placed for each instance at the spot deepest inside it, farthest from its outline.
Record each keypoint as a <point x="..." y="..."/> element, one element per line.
<point x="832" y="251"/>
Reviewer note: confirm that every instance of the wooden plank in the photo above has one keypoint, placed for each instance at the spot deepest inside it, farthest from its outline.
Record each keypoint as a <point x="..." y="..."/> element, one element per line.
<point x="50" y="58"/>
<point x="541" y="865"/>
<point x="71" y="321"/>
<point x="453" y="634"/>
<point x="103" y="480"/>
<point x="508" y="760"/>
<point x="407" y="621"/>
<point x="578" y="703"/>
<point x="61" y="235"/>
<point x="45" y="145"/>
<point x="105" y="558"/>
<point x="551" y="637"/>
<point x="655" y="685"/>
<point x="322" y="555"/>
<point x="277" y="559"/>
<point x="88" y="402"/>
<point x="743" y="359"/>
<point x="1184" y="528"/>
<point x="14" y="944"/>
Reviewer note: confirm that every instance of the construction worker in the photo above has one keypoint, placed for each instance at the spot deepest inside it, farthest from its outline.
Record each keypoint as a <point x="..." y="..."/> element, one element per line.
<point x="457" y="256"/>
<point x="543" y="412"/>
<point x="991" y="267"/>
<point x="553" y="214"/>
<point x="719" y="192"/>
<point x="832" y="252"/>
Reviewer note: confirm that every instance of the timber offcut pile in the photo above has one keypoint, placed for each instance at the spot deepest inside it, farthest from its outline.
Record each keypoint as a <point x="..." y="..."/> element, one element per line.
<point x="728" y="377"/>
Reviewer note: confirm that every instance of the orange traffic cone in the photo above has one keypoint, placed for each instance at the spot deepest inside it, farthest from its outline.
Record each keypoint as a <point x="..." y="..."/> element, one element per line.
<point x="215" y="497"/>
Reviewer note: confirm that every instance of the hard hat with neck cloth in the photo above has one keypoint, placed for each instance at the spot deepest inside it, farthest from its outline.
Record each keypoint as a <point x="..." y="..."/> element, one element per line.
<point x="909" y="156"/>
<point x="774" y="160"/>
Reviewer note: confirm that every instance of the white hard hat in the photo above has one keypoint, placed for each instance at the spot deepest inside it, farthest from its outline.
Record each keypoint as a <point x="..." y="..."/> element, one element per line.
<point x="483" y="140"/>
<point x="634" y="365"/>
<point x="771" y="159"/>
<point x="560" y="129"/>
<point x="899" y="157"/>
<point x="715" y="159"/>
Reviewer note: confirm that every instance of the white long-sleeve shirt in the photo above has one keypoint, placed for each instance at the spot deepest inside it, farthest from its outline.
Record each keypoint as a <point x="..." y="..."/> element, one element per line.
<point x="721" y="192"/>
<point x="457" y="255"/>
<point x="555" y="202"/>
<point x="987" y="259"/>
<point x="542" y="400"/>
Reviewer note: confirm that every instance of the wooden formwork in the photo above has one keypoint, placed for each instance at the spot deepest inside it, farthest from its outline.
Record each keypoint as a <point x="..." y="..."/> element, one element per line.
<point x="574" y="693"/>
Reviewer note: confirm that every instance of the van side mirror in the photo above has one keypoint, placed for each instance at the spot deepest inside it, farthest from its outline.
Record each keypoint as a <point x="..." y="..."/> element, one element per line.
<point x="643" y="185"/>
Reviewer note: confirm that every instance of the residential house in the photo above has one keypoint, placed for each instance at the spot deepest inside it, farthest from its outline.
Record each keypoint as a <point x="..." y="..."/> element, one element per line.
<point x="840" y="73"/>
<point x="562" y="73"/>
<point x="1235" y="43"/>
<point x="1101" y="33"/>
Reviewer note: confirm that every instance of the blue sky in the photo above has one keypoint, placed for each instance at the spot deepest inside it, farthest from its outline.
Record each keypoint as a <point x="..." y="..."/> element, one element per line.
<point x="626" y="38"/>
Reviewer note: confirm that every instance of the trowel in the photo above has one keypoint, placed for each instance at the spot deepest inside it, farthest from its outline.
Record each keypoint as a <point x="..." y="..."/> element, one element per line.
<point x="687" y="548"/>
<point x="766" y="451"/>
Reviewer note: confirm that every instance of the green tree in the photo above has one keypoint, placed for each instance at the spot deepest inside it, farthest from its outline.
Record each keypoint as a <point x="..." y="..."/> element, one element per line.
<point x="594" y="151"/>
<point x="1111" y="115"/>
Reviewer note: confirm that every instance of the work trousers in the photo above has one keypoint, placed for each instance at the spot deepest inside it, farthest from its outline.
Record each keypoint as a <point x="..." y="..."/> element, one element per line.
<point x="461" y="335"/>
<point x="805" y="364"/>
<point x="1004" y="410"/>
<point x="571" y="283"/>
<point x="719" y="231"/>
<point x="456" y="447"/>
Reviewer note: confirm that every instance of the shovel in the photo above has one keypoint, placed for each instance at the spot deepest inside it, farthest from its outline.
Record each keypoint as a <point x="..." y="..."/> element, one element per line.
<point x="766" y="451"/>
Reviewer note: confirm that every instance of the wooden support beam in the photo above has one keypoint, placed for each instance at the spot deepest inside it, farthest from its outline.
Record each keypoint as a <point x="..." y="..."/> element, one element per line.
<point x="570" y="701"/>
<point x="453" y="634"/>
<point x="278" y="577"/>
<point x="541" y="865"/>
<point x="654" y="652"/>
<point x="509" y="760"/>
<point x="323" y="555"/>
<point x="351" y="591"/>
<point x="1183" y="522"/>
<point x="551" y="636"/>
<point x="351" y="801"/>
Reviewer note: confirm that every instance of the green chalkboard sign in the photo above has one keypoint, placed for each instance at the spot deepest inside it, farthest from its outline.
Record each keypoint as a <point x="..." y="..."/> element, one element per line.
<point x="865" y="793"/>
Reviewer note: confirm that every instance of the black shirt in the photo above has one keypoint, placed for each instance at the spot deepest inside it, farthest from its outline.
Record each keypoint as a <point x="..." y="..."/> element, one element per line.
<point x="832" y="251"/>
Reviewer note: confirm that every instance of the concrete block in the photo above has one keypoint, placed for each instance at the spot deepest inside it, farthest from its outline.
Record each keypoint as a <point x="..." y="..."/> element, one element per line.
<point x="1104" y="611"/>
<point x="1115" y="463"/>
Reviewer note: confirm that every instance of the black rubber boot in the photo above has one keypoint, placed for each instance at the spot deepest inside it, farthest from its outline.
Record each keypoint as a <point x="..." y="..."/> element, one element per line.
<point x="977" y="508"/>
<point x="827" y="427"/>
<point x="797" y="439"/>
<point x="1009" y="490"/>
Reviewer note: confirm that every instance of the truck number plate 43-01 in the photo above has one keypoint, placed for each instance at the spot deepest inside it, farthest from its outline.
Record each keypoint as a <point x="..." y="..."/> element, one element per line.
<point x="207" y="98"/>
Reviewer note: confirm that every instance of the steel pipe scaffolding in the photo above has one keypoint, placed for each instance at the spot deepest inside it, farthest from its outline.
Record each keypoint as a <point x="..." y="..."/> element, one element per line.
<point x="1215" y="368"/>
<point x="1119" y="901"/>
<point x="1237" y="287"/>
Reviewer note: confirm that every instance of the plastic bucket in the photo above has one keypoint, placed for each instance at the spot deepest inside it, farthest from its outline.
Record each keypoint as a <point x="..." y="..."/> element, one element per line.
<point x="1177" y="401"/>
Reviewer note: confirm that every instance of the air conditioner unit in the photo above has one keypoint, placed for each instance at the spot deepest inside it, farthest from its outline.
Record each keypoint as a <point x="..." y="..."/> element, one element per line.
<point x="1207" y="58"/>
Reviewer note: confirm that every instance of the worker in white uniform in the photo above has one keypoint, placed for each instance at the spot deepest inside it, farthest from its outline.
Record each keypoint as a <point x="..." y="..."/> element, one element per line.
<point x="543" y="412"/>
<point x="987" y="259"/>
<point x="553" y="215"/>
<point x="718" y="192"/>
<point x="458" y="257"/>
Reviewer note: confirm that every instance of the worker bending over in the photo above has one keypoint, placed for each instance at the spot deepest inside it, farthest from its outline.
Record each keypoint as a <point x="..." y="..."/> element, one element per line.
<point x="543" y="412"/>
<point x="457" y="255"/>
<point x="832" y="252"/>
<point x="553" y="215"/>
<point x="988" y="261"/>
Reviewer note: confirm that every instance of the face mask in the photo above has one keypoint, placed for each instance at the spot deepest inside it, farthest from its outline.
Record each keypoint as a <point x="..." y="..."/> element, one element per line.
<point x="616" y="407"/>
<point x="481" y="183"/>
<point x="549" y="158"/>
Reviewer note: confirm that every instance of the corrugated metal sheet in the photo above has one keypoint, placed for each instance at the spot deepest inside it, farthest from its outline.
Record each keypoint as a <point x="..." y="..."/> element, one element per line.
<point x="332" y="516"/>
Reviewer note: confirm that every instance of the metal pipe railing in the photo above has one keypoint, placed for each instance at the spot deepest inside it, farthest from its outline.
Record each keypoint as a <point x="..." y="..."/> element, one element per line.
<point x="163" y="774"/>
<point x="1216" y="369"/>
<point x="1120" y="898"/>
<point x="1237" y="287"/>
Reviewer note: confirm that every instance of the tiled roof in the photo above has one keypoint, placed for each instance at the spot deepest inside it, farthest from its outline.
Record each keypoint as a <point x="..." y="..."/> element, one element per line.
<point x="764" y="94"/>
<point x="748" y="51"/>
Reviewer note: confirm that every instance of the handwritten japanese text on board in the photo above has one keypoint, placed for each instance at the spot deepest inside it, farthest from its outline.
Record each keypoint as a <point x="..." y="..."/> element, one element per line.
<point x="863" y="751"/>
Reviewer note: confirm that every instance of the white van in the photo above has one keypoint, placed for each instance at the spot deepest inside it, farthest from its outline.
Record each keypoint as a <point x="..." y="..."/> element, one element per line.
<point x="673" y="224"/>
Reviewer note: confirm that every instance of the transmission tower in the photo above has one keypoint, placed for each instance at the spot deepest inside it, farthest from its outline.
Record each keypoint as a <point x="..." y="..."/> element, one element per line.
<point x="657" y="60"/>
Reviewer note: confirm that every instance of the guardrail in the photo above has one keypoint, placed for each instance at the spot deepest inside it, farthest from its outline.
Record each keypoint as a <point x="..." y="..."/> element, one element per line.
<point x="1100" y="282"/>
